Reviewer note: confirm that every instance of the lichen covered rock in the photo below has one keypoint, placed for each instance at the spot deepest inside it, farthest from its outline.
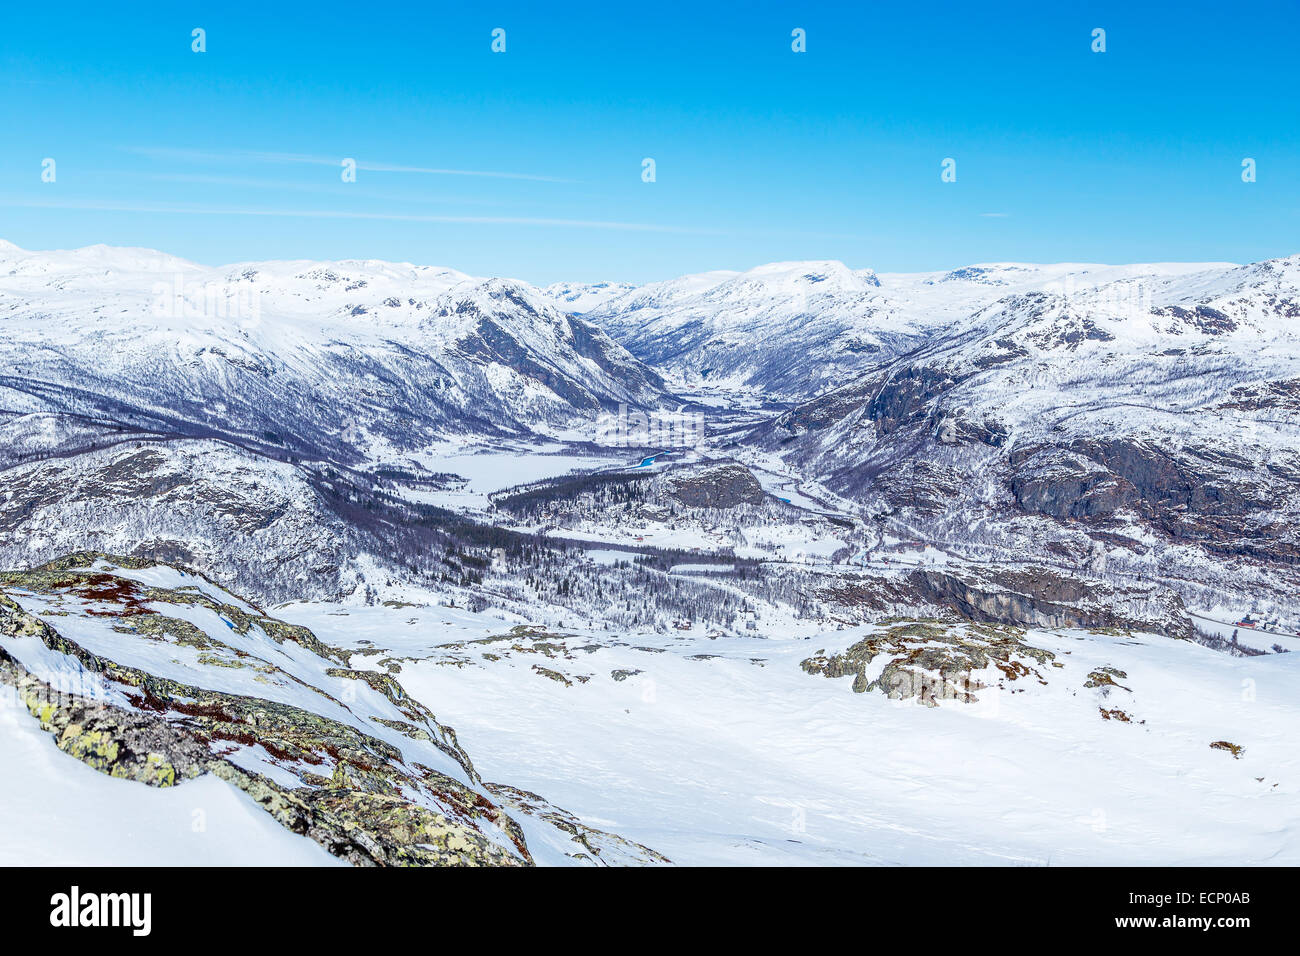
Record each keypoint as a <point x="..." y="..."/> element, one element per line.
<point x="341" y="755"/>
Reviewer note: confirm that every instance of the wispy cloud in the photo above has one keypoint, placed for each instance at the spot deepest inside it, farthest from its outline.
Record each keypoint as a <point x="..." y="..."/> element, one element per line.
<point x="995" y="215"/>
<point x="255" y="156"/>
<point x="280" y="185"/>
<point x="188" y="210"/>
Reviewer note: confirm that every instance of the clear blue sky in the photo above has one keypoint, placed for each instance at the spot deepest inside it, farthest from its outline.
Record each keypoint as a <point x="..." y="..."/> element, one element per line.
<point x="762" y="154"/>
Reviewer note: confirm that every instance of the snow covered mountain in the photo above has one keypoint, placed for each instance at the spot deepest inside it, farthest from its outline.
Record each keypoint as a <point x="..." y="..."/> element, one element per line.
<point x="581" y="297"/>
<point x="317" y="359"/>
<point x="789" y="330"/>
<point x="1008" y="510"/>
<point x="1150" y="424"/>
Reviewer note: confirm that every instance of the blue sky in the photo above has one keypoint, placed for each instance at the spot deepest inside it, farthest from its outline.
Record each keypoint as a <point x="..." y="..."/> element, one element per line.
<point x="761" y="154"/>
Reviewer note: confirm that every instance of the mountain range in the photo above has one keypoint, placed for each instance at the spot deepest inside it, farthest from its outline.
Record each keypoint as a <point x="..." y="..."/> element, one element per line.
<point x="936" y="484"/>
<point x="316" y="359"/>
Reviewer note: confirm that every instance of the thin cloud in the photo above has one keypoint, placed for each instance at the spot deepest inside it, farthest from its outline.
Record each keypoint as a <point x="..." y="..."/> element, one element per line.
<point x="205" y="156"/>
<point x="339" y="214"/>
<point x="280" y="185"/>
<point x="995" y="215"/>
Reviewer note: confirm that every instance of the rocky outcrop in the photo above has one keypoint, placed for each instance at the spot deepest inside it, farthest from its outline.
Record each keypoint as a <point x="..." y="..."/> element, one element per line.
<point x="357" y="794"/>
<point x="933" y="660"/>
<point x="341" y="755"/>
<point x="725" y="485"/>
<point x="1214" y="497"/>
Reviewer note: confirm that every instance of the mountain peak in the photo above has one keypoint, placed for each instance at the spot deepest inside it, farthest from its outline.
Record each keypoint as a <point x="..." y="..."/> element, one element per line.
<point x="814" y="272"/>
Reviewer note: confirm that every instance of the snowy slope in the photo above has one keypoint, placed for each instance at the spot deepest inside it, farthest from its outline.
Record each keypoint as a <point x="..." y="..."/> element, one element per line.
<point x="582" y="297"/>
<point x="727" y="752"/>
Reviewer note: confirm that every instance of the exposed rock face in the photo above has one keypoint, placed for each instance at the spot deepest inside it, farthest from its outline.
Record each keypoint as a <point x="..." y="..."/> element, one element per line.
<point x="1097" y="477"/>
<point x="118" y="742"/>
<point x="1065" y="484"/>
<point x="363" y="827"/>
<point x="1039" y="597"/>
<point x="1214" y="497"/>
